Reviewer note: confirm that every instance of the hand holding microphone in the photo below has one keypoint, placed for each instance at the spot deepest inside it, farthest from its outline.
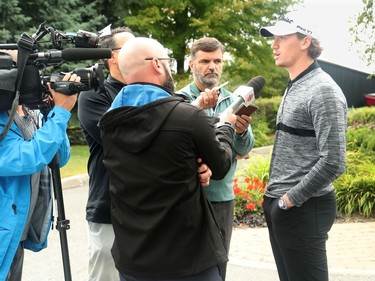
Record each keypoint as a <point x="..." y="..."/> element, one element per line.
<point x="243" y="106"/>
<point x="246" y="94"/>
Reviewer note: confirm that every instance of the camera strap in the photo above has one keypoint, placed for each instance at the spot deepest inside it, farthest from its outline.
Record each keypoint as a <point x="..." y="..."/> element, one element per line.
<point x="25" y="46"/>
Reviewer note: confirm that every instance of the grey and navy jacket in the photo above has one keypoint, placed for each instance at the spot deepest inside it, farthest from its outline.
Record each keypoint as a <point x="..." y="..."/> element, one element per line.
<point x="310" y="145"/>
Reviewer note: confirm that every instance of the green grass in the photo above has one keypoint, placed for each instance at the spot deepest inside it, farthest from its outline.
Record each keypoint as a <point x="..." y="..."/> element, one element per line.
<point x="77" y="164"/>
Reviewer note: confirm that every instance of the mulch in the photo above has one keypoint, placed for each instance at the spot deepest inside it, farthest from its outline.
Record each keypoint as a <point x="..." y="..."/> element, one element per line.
<point x="258" y="220"/>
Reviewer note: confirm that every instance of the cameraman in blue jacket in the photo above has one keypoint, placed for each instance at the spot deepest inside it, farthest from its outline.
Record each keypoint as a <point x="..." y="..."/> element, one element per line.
<point x="26" y="149"/>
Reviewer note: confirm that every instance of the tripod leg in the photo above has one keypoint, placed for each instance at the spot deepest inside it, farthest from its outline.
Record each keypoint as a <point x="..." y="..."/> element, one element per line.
<point x="62" y="223"/>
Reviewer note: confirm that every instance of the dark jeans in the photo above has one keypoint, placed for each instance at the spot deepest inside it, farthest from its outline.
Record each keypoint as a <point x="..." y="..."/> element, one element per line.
<point x="298" y="237"/>
<point x="211" y="274"/>
<point x="224" y="215"/>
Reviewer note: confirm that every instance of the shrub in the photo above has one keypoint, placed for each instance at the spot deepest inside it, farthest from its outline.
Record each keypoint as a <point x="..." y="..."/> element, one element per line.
<point x="361" y="138"/>
<point x="362" y="115"/>
<point x="355" y="189"/>
<point x="356" y="194"/>
<point x="360" y="133"/>
<point x="264" y="121"/>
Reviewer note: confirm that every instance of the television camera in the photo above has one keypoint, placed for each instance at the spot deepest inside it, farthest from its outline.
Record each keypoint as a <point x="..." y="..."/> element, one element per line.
<point x="21" y="80"/>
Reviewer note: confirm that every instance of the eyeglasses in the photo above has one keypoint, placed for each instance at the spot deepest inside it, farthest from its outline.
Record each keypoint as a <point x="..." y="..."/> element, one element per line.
<point x="171" y="60"/>
<point x="116" y="49"/>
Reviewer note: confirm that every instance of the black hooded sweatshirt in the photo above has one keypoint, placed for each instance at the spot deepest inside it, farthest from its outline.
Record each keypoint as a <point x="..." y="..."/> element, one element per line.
<point x="164" y="226"/>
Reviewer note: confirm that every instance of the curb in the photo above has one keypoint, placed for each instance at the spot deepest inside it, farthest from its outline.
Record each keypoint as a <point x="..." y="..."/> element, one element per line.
<point x="75" y="181"/>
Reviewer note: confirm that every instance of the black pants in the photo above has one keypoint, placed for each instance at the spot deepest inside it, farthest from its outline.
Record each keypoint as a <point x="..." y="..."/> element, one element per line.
<point x="298" y="237"/>
<point x="224" y="215"/>
<point x="211" y="274"/>
<point x="15" y="272"/>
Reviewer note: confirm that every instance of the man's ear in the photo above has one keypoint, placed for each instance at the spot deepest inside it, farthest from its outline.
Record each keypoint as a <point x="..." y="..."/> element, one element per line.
<point x="306" y="42"/>
<point x="155" y="63"/>
<point x="191" y="65"/>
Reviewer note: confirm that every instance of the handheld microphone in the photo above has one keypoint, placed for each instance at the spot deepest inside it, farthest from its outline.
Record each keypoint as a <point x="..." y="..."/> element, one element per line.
<point x="75" y="54"/>
<point x="246" y="94"/>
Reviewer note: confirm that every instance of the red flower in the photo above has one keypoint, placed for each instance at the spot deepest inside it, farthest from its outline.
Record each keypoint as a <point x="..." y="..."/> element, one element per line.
<point x="251" y="206"/>
<point x="236" y="189"/>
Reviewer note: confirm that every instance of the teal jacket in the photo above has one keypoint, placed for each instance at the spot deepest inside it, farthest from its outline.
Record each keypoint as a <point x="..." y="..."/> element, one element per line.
<point x="19" y="159"/>
<point x="222" y="190"/>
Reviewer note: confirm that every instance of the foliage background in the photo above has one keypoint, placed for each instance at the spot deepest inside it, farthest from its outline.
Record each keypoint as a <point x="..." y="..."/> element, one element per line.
<point x="174" y="23"/>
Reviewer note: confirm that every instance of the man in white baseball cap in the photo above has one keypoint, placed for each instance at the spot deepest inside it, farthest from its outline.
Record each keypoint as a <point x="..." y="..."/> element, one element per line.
<point x="292" y="22"/>
<point x="308" y="155"/>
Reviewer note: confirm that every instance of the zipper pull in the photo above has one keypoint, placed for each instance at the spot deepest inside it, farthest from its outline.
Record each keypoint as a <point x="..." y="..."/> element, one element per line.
<point x="14" y="207"/>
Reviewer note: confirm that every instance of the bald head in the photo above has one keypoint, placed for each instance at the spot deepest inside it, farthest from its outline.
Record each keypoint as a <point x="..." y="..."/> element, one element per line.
<point x="135" y="68"/>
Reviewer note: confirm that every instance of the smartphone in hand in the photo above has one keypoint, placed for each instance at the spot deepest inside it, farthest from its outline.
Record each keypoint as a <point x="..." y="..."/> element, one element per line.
<point x="246" y="110"/>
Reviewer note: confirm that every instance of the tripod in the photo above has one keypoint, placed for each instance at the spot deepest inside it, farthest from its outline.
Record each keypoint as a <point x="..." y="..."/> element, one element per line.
<point x="62" y="224"/>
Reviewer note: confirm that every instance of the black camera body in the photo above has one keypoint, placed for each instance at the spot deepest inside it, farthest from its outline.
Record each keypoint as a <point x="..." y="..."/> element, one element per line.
<point x="33" y="89"/>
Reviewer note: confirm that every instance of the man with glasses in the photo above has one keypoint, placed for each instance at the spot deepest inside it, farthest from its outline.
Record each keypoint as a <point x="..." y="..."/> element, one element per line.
<point x="206" y="65"/>
<point x="164" y="227"/>
<point x="91" y="106"/>
<point x="171" y="61"/>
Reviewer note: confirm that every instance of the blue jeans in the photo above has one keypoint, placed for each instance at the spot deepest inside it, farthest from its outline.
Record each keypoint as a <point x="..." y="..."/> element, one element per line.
<point x="298" y="237"/>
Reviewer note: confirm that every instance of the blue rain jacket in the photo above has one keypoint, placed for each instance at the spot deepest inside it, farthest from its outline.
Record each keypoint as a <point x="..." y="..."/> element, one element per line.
<point x="19" y="159"/>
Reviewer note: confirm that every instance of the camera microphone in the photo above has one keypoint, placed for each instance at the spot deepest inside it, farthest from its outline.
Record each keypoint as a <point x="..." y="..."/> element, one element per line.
<point x="75" y="54"/>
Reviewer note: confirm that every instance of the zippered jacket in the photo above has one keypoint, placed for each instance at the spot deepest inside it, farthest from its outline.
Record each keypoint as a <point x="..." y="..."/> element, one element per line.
<point x="19" y="159"/>
<point x="163" y="224"/>
<point x="91" y="107"/>
<point x="313" y="117"/>
<point x="222" y="190"/>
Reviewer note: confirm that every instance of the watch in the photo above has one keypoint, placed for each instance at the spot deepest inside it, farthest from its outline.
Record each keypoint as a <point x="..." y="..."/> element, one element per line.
<point x="282" y="204"/>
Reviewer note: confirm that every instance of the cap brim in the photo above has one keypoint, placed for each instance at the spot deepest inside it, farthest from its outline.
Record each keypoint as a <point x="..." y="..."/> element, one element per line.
<point x="270" y="31"/>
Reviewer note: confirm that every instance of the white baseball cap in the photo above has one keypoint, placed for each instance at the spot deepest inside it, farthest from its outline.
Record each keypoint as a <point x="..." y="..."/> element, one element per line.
<point x="290" y="23"/>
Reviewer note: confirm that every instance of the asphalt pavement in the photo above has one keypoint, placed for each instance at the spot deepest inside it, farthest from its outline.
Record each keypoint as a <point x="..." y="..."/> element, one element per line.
<point x="350" y="248"/>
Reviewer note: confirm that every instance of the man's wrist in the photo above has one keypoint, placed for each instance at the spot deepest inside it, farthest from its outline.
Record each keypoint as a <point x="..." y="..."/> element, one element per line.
<point x="225" y="123"/>
<point x="282" y="204"/>
<point x="242" y="134"/>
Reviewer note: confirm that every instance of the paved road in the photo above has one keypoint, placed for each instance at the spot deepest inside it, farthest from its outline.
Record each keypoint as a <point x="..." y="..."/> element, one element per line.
<point x="351" y="250"/>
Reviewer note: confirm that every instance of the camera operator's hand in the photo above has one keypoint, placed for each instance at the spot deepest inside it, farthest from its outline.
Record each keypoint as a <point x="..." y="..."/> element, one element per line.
<point x="62" y="100"/>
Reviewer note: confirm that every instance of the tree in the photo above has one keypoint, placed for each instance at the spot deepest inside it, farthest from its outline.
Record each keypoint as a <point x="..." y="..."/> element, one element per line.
<point x="175" y="23"/>
<point x="19" y="17"/>
<point x="364" y="32"/>
<point x="235" y="23"/>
